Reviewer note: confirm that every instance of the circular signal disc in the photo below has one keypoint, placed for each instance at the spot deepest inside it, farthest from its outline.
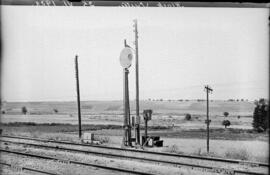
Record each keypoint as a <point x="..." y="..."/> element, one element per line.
<point x="126" y="57"/>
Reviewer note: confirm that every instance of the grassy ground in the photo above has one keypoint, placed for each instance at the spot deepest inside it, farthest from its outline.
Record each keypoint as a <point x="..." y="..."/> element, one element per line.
<point x="116" y="130"/>
<point x="228" y="143"/>
<point x="105" y="119"/>
<point x="116" y="107"/>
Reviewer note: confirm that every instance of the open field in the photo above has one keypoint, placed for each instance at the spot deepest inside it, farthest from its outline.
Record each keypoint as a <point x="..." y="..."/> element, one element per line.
<point x="99" y="112"/>
<point x="217" y="107"/>
<point x="105" y="119"/>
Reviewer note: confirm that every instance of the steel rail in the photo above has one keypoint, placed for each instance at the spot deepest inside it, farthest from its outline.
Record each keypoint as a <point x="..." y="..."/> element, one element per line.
<point x="136" y="158"/>
<point x="76" y="162"/>
<point x="147" y="152"/>
<point x="29" y="169"/>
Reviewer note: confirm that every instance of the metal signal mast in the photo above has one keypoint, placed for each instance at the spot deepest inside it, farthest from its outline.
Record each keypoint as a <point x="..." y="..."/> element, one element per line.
<point x="207" y="121"/>
<point x="125" y="61"/>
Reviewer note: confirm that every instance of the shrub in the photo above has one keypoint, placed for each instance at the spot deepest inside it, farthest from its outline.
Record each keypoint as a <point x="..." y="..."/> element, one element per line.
<point x="55" y="110"/>
<point x="188" y="117"/>
<point x="24" y="110"/>
<point x="3" y="112"/>
<point x="238" y="116"/>
<point x="226" y="123"/>
<point x="260" y="116"/>
<point x="226" y="114"/>
<point x="102" y="139"/>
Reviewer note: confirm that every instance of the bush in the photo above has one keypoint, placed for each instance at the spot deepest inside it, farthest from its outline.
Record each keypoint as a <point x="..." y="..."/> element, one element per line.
<point x="238" y="116"/>
<point x="188" y="117"/>
<point x="55" y="110"/>
<point x="260" y="116"/>
<point x="226" y="114"/>
<point x="24" y="110"/>
<point x="226" y="123"/>
<point x="102" y="139"/>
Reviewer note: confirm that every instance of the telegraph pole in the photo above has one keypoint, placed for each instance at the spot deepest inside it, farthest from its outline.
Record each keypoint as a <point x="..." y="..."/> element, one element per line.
<point x="207" y="121"/>
<point x="137" y="125"/>
<point x="78" y="95"/>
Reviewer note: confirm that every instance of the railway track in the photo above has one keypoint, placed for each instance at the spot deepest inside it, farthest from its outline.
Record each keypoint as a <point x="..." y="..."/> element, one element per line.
<point x="21" y="168"/>
<point x="71" y="162"/>
<point x="161" y="157"/>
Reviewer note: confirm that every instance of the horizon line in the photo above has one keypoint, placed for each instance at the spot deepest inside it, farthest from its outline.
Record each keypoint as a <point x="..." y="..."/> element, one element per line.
<point x="158" y="99"/>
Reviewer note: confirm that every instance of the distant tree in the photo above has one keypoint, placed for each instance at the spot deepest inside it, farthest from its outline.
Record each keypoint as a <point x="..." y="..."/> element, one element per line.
<point x="149" y="99"/>
<point x="226" y="114"/>
<point x="24" y="110"/>
<point x="188" y="117"/>
<point x="3" y="112"/>
<point x="238" y="116"/>
<point x="242" y="99"/>
<point x="261" y="115"/>
<point x="200" y="100"/>
<point x="55" y="110"/>
<point x="237" y="100"/>
<point x="226" y="123"/>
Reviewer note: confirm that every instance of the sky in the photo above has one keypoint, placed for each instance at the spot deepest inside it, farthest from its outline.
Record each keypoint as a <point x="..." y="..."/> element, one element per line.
<point x="180" y="51"/>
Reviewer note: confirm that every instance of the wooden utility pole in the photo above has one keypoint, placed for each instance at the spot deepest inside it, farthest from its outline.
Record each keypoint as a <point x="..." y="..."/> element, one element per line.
<point x="208" y="89"/>
<point x="137" y="125"/>
<point x="78" y="95"/>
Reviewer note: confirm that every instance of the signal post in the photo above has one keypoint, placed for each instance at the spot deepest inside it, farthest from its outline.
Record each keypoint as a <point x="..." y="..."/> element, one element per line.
<point x="126" y="57"/>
